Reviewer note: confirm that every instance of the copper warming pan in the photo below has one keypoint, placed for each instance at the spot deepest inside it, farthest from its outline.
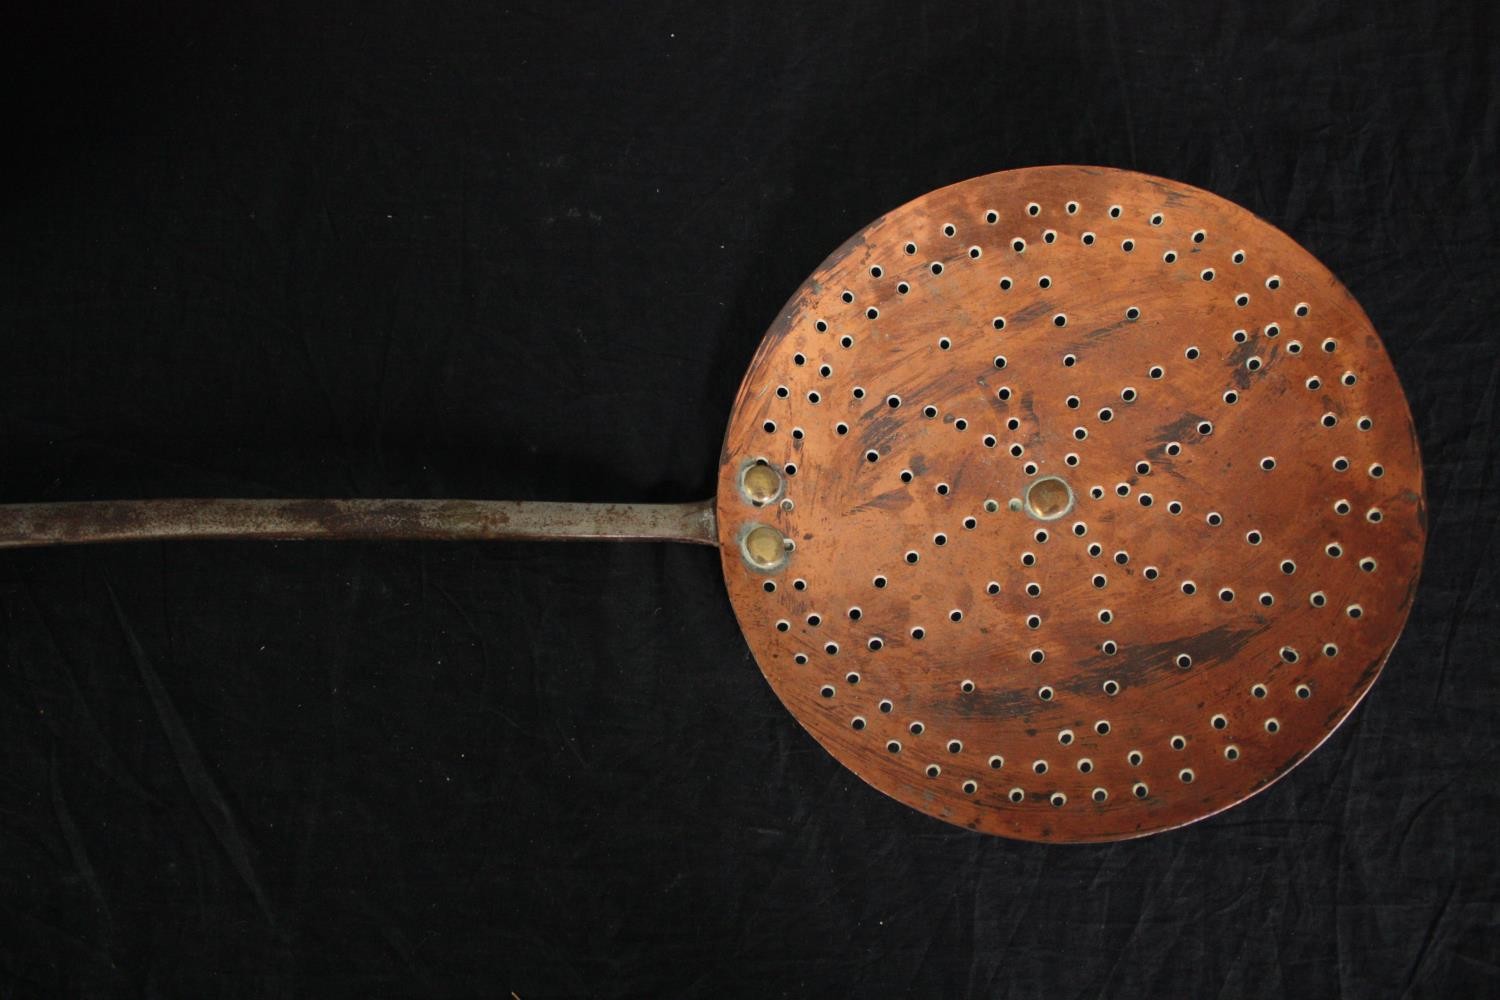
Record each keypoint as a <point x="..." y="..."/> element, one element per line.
<point x="1065" y="503"/>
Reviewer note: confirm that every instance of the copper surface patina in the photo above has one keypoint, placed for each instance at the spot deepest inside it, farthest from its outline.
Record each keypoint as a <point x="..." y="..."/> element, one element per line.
<point x="1065" y="503"/>
<point x="1104" y="504"/>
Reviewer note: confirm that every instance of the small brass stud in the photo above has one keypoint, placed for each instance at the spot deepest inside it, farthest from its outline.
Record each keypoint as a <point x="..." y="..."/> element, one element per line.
<point x="760" y="484"/>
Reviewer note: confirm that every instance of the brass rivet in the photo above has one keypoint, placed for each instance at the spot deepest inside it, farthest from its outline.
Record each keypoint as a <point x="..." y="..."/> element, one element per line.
<point x="1048" y="498"/>
<point x="764" y="548"/>
<point x="760" y="484"/>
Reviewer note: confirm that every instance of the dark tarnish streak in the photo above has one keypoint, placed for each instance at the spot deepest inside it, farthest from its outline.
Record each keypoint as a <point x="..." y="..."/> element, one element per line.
<point x="1175" y="431"/>
<point x="889" y="500"/>
<point x="1244" y="352"/>
<point x="1096" y="334"/>
<point x="1141" y="663"/>
<point x="1004" y="703"/>
<point x="881" y="431"/>
<point x="1034" y="311"/>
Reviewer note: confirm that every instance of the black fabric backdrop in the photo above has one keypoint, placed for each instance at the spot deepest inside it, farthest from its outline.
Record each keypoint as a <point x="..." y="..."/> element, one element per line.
<point x="527" y="252"/>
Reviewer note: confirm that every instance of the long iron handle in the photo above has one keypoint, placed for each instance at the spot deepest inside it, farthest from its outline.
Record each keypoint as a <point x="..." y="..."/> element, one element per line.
<point x="85" y="522"/>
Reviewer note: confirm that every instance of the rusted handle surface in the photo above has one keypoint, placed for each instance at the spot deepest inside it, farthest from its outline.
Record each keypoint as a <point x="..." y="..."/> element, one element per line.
<point x="78" y="523"/>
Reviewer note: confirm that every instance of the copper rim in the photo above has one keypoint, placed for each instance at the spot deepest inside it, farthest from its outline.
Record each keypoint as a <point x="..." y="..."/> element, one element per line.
<point x="1102" y="504"/>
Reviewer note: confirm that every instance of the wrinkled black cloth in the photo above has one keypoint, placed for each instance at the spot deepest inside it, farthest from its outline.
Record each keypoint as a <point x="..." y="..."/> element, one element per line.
<point x="527" y="251"/>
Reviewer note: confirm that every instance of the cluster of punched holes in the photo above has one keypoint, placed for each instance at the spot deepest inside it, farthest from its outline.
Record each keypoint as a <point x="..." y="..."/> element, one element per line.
<point x="1127" y="394"/>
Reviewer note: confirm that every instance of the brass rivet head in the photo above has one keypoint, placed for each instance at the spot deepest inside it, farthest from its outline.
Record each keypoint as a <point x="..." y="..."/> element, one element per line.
<point x="764" y="548"/>
<point x="760" y="484"/>
<point x="1048" y="498"/>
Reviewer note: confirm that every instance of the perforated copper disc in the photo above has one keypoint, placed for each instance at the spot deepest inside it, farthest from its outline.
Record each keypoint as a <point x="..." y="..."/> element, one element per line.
<point x="1217" y="434"/>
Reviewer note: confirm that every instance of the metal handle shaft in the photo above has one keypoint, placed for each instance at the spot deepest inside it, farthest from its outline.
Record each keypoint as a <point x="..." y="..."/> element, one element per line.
<point x="79" y="523"/>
